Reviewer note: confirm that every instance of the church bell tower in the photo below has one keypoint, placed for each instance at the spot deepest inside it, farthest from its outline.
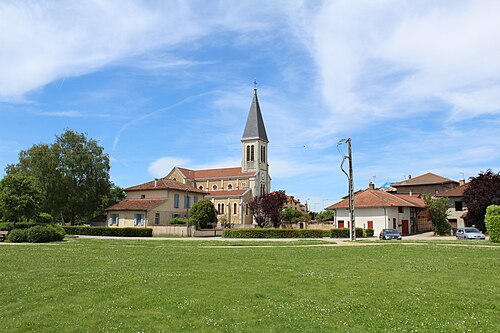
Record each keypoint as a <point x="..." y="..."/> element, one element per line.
<point x="254" y="149"/>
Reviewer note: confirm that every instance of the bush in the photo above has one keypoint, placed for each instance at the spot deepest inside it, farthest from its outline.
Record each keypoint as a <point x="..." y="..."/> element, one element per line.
<point x="274" y="233"/>
<point x="18" y="236"/>
<point x="24" y="225"/>
<point x="44" y="218"/>
<point x="6" y="226"/>
<point x="58" y="232"/>
<point x="178" y="220"/>
<point x="40" y="234"/>
<point x="339" y="233"/>
<point x="105" y="231"/>
<point x="492" y="220"/>
<point x="369" y="232"/>
<point x="203" y="214"/>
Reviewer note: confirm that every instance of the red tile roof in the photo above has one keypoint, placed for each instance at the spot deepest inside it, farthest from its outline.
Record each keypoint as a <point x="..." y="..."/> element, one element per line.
<point x="414" y="199"/>
<point x="454" y="192"/>
<point x="425" y="179"/>
<point x="164" y="184"/>
<point x="137" y="204"/>
<point x="215" y="173"/>
<point x="228" y="193"/>
<point x="374" y="198"/>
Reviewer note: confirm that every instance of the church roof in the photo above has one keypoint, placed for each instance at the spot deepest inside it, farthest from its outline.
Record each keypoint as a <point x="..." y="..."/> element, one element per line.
<point x="425" y="179"/>
<point x="377" y="198"/>
<point x="215" y="173"/>
<point x="255" y="128"/>
<point x="163" y="184"/>
<point x="227" y="193"/>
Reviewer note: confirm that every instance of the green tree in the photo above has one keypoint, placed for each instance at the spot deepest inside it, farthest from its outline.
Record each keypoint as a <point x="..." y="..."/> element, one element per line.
<point x="203" y="214"/>
<point x="438" y="209"/>
<point x="289" y="214"/>
<point x="72" y="175"/>
<point x="19" y="197"/>
<point x="483" y="190"/>
<point x="326" y="215"/>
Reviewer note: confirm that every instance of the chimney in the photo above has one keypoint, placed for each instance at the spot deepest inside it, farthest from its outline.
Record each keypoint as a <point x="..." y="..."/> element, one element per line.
<point x="156" y="182"/>
<point x="409" y="176"/>
<point x="371" y="186"/>
<point x="411" y="193"/>
<point x="461" y="182"/>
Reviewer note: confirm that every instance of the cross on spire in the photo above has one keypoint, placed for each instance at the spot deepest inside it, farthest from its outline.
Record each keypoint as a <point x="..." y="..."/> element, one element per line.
<point x="255" y="84"/>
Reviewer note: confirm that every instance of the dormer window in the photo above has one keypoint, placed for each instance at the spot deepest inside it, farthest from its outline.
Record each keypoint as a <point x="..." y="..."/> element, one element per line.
<point x="230" y="187"/>
<point x="201" y="187"/>
<point x="214" y="187"/>
<point x="143" y="196"/>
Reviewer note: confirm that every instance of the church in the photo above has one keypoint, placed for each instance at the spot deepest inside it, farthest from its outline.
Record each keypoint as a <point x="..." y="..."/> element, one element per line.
<point x="230" y="189"/>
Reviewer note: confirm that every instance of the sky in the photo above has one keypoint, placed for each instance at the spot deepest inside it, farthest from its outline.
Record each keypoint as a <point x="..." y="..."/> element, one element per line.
<point x="414" y="84"/>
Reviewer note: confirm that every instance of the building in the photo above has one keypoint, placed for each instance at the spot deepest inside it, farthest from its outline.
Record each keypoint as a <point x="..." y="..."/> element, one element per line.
<point x="153" y="203"/>
<point x="293" y="203"/>
<point x="428" y="183"/>
<point x="376" y="209"/>
<point x="457" y="209"/>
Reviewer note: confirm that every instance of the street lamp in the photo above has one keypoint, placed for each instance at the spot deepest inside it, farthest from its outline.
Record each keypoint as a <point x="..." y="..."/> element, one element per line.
<point x="352" y="231"/>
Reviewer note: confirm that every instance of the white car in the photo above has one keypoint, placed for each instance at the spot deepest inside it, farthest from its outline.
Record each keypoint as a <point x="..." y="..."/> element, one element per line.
<point x="469" y="233"/>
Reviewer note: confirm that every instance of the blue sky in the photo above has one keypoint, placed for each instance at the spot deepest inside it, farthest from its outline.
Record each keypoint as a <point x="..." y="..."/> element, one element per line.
<point x="414" y="84"/>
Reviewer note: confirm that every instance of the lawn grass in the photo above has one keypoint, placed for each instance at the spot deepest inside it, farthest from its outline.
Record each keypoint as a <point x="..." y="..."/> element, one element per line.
<point x="174" y="286"/>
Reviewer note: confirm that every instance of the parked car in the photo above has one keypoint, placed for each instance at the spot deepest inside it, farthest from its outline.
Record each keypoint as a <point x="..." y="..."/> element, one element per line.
<point x="469" y="233"/>
<point x="390" y="234"/>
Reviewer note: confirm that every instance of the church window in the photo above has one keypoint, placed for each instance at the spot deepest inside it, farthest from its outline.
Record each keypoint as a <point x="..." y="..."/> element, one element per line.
<point x="200" y="187"/>
<point x="263" y="154"/>
<point x="248" y="153"/>
<point x="214" y="187"/>
<point x="252" y="153"/>
<point x="222" y="207"/>
<point x="235" y="209"/>
<point x="230" y="187"/>
<point x="243" y="185"/>
<point x="218" y="208"/>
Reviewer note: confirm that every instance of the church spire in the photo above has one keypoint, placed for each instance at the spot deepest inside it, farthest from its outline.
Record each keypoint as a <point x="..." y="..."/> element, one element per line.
<point x="255" y="128"/>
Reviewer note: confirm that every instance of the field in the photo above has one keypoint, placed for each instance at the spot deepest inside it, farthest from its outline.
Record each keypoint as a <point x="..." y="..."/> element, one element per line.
<point x="92" y="285"/>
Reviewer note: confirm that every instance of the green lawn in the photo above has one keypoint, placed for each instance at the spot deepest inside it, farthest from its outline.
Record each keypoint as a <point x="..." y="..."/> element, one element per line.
<point x="89" y="285"/>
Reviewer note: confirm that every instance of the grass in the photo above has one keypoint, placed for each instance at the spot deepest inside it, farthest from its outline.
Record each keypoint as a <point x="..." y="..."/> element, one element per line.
<point x="179" y="286"/>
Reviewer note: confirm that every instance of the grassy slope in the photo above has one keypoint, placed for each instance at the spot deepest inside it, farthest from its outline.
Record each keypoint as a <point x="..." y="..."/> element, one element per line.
<point x="107" y="285"/>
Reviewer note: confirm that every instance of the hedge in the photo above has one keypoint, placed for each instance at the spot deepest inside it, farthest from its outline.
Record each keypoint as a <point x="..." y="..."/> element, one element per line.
<point x="105" y="231"/>
<point x="492" y="220"/>
<point x="37" y="234"/>
<point x="6" y="226"/>
<point x="274" y="233"/>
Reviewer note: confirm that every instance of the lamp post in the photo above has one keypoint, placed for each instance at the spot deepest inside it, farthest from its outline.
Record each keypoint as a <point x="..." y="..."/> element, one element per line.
<point x="352" y="229"/>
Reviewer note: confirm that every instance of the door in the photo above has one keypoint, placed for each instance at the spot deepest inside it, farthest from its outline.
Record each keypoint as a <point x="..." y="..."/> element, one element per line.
<point x="405" y="227"/>
<point x="341" y="223"/>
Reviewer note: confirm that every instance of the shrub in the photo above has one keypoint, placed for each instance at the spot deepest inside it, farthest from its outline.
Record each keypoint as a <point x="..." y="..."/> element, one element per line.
<point x="359" y="232"/>
<point x="274" y="233"/>
<point x="369" y="232"/>
<point x="24" y="225"/>
<point x="492" y="220"/>
<point x="105" y="231"/>
<point x="44" y="218"/>
<point x="339" y="233"/>
<point x="58" y="232"/>
<point x="203" y="214"/>
<point x="178" y="220"/>
<point x="40" y="234"/>
<point x="18" y="236"/>
<point x="6" y="226"/>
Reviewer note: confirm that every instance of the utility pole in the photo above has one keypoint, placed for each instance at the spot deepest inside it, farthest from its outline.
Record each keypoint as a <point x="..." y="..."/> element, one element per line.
<point x="352" y="229"/>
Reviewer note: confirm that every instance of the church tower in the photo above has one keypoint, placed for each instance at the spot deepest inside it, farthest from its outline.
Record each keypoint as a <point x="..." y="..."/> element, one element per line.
<point x="254" y="149"/>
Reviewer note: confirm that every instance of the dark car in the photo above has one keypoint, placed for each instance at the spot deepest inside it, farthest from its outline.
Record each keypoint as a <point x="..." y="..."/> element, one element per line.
<point x="390" y="234"/>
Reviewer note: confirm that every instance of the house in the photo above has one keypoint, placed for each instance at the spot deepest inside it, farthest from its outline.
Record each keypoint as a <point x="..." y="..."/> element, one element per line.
<point x="428" y="183"/>
<point x="376" y="209"/>
<point x="293" y="203"/>
<point x="153" y="203"/>
<point x="457" y="209"/>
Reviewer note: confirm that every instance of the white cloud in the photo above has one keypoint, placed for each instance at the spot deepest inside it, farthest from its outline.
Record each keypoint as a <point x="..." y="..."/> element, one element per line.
<point x="162" y="166"/>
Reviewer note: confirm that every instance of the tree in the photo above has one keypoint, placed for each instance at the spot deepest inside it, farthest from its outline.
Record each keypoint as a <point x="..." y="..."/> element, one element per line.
<point x="268" y="208"/>
<point x="483" y="190"/>
<point x="326" y="215"/>
<point x="492" y="219"/>
<point x="438" y="209"/>
<point x="289" y="214"/>
<point x="72" y="175"/>
<point x="203" y="214"/>
<point x="19" y="197"/>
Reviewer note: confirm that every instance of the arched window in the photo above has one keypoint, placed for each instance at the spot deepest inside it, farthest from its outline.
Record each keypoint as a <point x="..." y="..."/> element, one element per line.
<point x="214" y="187"/>
<point x="230" y="187"/>
<point x="235" y="209"/>
<point x="222" y="207"/>
<point x="263" y="154"/>
<point x="248" y="153"/>
<point x="262" y="189"/>
<point x="218" y="208"/>
<point x="252" y="153"/>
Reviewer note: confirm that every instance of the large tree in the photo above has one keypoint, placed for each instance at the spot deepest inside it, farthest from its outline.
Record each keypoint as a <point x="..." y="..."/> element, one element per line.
<point x="203" y="214"/>
<point x="72" y="175"/>
<point x="438" y="209"/>
<point x="483" y="190"/>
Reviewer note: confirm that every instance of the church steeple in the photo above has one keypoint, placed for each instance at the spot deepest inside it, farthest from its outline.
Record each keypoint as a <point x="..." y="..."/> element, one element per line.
<point x="255" y="129"/>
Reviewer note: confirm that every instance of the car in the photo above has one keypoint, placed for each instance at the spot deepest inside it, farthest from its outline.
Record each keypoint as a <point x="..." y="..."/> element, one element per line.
<point x="469" y="233"/>
<point x="390" y="234"/>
